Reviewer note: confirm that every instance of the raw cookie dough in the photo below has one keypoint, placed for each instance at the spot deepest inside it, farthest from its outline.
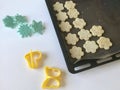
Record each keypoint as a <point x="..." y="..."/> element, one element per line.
<point x="76" y="52"/>
<point x="90" y="46"/>
<point x="84" y="34"/>
<point x="97" y="30"/>
<point x="104" y="42"/>
<point x="70" y="4"/>
<point x="71" y="39"/>
<point x="65" y="26"/>
<point x="58" y="6"/>
<point x="61" y="16"/>
<point x="79" y="23"/>
<point x="73" y="13"/>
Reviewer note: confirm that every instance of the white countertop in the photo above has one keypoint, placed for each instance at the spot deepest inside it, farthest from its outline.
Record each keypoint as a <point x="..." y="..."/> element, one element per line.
<point x="15" y="75"/>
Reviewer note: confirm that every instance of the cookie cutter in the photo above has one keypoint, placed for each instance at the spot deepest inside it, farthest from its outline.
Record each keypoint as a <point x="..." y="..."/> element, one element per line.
<point x="53" y="78"/>
<point x="33" y="59"/>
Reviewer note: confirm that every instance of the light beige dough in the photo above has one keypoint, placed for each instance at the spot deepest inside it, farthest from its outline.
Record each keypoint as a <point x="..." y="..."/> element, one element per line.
<point x="104" y="42"/>
<point x="76" y="52"/>
<point x="79" y="23"/>
<point x="61" y="16"/>
<point x="73" y="13"/>
<point x="69" y="4"/>
<point x="58" y="6"/>
<point x="84" y="34"/>
<point x="65" y="26"/>
<point x="90" y="46"/>
<point x="97" y="30"/>
<point x="71" y="39"/>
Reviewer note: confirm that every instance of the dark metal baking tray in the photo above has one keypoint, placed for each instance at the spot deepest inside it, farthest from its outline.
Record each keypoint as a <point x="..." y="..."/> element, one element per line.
<point x="95" y="12"/>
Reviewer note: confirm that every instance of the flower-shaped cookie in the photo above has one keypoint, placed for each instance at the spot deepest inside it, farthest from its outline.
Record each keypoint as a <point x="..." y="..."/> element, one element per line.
<point x="104" y="42"/>
<point x="90" y="46"/>
<point x="72" y="39"/>
<point x="70" y="5"/>
<point x="76" y="52"/>
<point x="79" y="23"/>
<point x="61" y="16"/>
<point x="65" y="26"/>
<point x="97" y="30"/>
<point x="58" y="6"/>
<point x="84" y="34"/>
<point x="73" y="13"/>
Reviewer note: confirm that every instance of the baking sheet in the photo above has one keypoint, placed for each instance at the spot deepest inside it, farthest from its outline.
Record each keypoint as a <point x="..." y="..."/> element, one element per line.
<point x="95" y="12"/>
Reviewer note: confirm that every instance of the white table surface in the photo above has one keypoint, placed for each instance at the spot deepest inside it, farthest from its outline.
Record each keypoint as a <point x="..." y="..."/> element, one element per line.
<point x="15" y="75"/>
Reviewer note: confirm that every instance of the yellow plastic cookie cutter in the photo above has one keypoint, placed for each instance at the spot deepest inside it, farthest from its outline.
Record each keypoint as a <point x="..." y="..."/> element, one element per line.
<point x="52" y="72"/>
<point x="33" y="59"/>
<point x="51" y="83"/>
<point x="53" y="78"/>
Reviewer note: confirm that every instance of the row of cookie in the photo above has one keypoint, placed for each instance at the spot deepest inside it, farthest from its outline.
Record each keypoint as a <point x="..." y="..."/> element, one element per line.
<point x="86" y="34"/>
<point x="66" y="26"/>
<point x="90" y="47"/>
<point x="68" y="5"/>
